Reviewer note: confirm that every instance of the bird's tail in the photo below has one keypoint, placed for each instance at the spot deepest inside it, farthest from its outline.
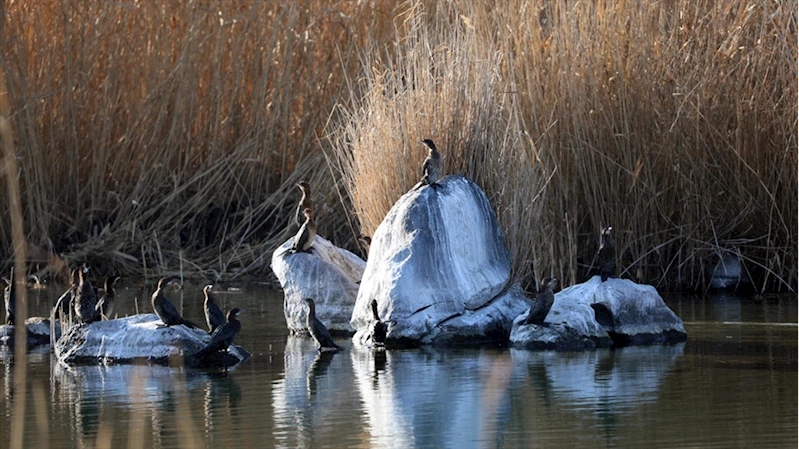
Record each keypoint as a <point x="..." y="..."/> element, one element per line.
<point x="188" y="323"/>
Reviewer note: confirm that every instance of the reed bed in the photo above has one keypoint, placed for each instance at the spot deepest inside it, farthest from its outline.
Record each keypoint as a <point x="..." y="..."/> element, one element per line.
<point x="160" y="136"/>
<point x="674" y="122"/>
<point x="157" y="137"/>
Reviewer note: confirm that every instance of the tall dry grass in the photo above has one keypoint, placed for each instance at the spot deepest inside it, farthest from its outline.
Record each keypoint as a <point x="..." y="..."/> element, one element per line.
<point x="159" y="135"/>
<point x="155" y="137"/>
<point x="675" y="122"/>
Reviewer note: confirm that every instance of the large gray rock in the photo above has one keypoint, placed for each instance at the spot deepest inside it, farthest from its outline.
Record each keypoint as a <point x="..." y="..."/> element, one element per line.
<point x="139" y="338"/>
<point x="617" y="312"/>
<point x="329" y="275"/>
<point x="38" y="332"/>
<point x="440" y="271"/>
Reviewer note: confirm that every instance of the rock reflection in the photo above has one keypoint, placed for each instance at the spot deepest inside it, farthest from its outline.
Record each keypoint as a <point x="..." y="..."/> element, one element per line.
<point x="92" y="394"/>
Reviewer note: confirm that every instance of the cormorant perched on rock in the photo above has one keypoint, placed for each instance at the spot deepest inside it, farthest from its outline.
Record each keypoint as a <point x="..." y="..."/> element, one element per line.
<point x="431" y="169"/>
<point x="10" y="298"/>
<point x="379" y="328"/>
<point x="318" y="330"/>
<point x="305" y="201"/>
<point x="605" y="261"/>
<point x="214" y="316"/>
<point x="106" y="304"/>
<point x="306" y="235"/>
<point x="223" y="336"/>
<point x="165" y="309"/>
<point x="543" y="302"/>
<point x="65" y="301"/>
<point x="85" y="300"/>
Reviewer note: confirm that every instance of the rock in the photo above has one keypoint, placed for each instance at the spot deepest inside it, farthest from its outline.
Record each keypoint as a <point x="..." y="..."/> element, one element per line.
<point x="138" y="338"/>
<point x="38" y="332"/>
<point x="617" y="312"/>
<point x="329" y="275"/>
<point x="440" y="271"/>
<point x="726" y="274"/>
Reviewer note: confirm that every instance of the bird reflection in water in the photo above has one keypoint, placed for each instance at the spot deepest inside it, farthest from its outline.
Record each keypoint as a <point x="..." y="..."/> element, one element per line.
<point x="318" y="369"/>
<point x="221" y="400"/>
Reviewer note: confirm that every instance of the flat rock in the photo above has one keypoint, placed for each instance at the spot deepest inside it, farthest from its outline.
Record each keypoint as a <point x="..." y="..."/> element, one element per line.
<point x="329" y="275"/>
<point x="617" y="312"/>
<point x="439" y="270"/>
<point x="139" y="338"/>
<point x="38" y="332"/>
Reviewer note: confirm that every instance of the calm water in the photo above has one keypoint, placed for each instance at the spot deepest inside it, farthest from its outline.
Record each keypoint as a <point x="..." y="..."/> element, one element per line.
<point x="733" y="384"/>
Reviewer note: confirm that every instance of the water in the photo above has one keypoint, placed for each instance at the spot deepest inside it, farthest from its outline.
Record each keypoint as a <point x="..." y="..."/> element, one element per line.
<point x="732" y="384"/>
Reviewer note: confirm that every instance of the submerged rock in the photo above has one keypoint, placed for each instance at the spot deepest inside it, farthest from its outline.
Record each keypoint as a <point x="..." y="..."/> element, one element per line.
<point x="726" y="274"/>
<point x="617" y="312"/>
<point x="439" y="270"/>
<point x="38" y="332"/>
<point x="139" y="338"/>
<point x="328" y="274"/>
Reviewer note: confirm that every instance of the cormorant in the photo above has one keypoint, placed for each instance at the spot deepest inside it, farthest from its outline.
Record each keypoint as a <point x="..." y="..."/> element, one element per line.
<point x="318" y="330"/>
<point x="106" y="304"/>
<point x="365" y="241"/>
<point x="379" y="328"/>
<point x="10" y="298"/>
<point x="306" y="235"/>
<point x="543" y="302"/>
<point x="85" y="299"/>
<point x="431" y="169"/>
<point x="223" y="336"/>
<point x="214" y="316"/>
<point x="305" y="201"/>
<point x="606" y="256"/>
<point x="165" y="309"/>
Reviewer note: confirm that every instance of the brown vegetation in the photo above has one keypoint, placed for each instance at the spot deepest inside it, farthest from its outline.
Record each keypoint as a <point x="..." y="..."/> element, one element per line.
<point x="158" y="136"/>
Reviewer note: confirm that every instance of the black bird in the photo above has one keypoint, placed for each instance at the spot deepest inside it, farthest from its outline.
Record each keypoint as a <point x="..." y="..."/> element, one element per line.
<point x="165" y="309"/>
<point x="543" y="302"/>
<point x="605" y="260"/>
<point x="214" y="316"/>
<point x="305" y="201"/>
<point x="306" y="235"/>
<point x="65" y="301"/>
<point x="431" y="169"/>
<point x="379" y="328"/>
<point x="318" y="330"/>
<point x="10" y="298"/>
<point x="223" y="336"/>
<point x="106" y="304"/>
<point x="85" y="299"/>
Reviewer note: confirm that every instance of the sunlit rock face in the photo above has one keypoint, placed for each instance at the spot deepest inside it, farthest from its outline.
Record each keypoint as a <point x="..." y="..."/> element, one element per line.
<point x="439" y="270"/>
<point x="329" y="275"/>
<point x="139" y="338"/>
<point x="38" y="332"/>
<point x="617" y="312"/>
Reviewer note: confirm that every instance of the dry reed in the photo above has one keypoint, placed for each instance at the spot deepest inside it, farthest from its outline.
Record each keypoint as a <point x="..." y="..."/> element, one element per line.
<point x="674" y="122"/>
<point x="155" y="134"/>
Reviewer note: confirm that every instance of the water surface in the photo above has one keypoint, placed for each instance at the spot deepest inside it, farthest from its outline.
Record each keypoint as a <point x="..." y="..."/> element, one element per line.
<point x="732" y="384"/>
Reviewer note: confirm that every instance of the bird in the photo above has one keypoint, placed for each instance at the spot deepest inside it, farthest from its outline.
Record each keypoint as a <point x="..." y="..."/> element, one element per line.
<point x="306" y="235"/>
<point x="605" y="260"/>
<point x="318" y="330"/>
<point x="164" y="308"/>
<point x="431" y="169"/>
<point x="10" y="298"/>
<point x="214" y="316"/>
<point x="85" y="299"/>
<point x="106" y="304"/>
<point x="379" y="328"/>
<point x="305" y="201"/>
<point x="543" y="302"/>
<point x="223" y="336"/>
